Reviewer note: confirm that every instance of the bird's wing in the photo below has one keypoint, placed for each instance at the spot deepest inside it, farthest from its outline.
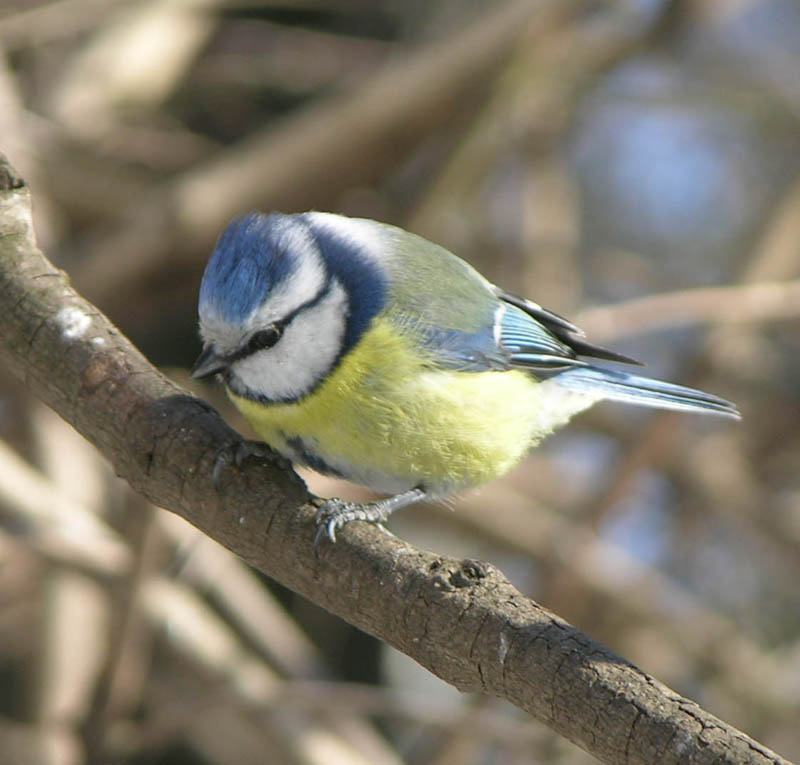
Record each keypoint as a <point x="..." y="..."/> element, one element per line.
<point x="517" y="334"/>
<point x="547" y="322"/>
<point x="530" y="344"/>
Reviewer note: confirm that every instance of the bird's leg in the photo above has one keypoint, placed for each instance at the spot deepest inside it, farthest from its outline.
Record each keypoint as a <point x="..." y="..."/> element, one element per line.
<point x="335" y="513"/>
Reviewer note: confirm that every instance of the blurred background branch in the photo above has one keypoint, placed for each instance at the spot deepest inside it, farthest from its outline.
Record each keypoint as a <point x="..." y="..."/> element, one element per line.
<point x="633" y="164"/>
<point x="462" y="620"/>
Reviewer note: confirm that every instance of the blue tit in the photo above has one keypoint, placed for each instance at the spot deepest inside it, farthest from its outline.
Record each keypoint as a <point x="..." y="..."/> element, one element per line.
<point x="365" y="352"/>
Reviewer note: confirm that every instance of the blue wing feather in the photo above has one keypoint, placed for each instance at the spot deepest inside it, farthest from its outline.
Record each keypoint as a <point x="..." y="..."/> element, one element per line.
<point x="464" y="351"/>
<point x="531" y="344"/>
<point x="513" y="339"/>
<point x="521" y="335"/>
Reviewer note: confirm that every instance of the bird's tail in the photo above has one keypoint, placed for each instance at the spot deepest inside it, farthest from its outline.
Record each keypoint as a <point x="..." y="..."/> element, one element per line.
<point x="644" y="391"/>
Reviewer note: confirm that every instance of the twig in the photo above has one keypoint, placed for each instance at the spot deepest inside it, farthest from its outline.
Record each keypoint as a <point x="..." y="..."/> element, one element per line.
<point x="250" y="606"/>
<point x="640" y="592"/>
<point x="306" y="160"/>
<point x="198" y="632"/>
<point x="51" y="21"/>
<point x="54" y="525"/>
<point x="743" y="304"/>
<point x="461" y="619"/>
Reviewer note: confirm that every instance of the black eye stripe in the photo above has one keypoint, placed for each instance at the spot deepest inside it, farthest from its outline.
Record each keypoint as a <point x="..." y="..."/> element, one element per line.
<point x="265" y="338"/>
<point x="311" y="302"/>
<point x="270" y="335"/>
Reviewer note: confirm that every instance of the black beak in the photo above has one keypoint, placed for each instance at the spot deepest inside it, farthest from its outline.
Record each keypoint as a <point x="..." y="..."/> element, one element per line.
<point x="208" y="363"/>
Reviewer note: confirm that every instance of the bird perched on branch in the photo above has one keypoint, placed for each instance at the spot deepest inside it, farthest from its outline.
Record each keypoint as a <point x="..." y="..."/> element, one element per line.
<point x="363" y="351"/>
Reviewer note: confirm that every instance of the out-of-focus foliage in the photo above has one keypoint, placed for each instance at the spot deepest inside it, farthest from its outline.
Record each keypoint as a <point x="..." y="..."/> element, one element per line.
<point x="581" y="153"/>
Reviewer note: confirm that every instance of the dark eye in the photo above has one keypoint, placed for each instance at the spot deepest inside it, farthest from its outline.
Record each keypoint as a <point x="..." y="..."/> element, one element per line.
<point x="265" y="338"/>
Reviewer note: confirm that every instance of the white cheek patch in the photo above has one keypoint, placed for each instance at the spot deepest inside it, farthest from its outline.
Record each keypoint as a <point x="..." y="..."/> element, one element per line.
<point x="304" y="355"/>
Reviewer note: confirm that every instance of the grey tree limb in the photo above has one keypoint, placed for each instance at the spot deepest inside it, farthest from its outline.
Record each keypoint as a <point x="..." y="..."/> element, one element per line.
<point x="461" y="619"/>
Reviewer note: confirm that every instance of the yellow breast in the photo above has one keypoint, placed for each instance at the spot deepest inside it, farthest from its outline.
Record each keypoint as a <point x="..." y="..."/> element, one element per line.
<point x="388" y="420"/>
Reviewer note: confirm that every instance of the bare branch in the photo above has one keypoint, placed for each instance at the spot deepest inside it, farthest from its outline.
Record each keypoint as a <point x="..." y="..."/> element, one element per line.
<point x="326" y="147"/>
<point x="740" y="304"/>
<point x="460" y="619"/>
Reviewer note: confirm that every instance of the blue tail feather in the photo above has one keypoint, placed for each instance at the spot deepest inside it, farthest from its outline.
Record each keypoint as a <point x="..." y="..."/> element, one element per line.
<point x="644" y="391"/>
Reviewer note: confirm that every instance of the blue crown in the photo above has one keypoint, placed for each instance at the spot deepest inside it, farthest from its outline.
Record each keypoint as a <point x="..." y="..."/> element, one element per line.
<point x="250" y="259"/>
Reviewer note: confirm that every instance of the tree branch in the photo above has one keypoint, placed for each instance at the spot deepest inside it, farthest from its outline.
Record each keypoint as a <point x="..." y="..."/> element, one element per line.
<point x="460" y="619"/>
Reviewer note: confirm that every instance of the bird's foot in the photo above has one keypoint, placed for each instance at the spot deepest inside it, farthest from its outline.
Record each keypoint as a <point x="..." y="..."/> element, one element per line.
<point x="334" y="514"/>
<point x="235" y="453"/>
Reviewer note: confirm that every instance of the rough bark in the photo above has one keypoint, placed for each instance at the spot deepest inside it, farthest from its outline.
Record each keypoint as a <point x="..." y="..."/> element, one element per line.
<point x="460" y="619"/>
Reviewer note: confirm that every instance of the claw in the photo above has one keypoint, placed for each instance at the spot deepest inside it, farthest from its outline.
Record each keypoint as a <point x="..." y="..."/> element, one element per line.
<point x="386" y="531"/>
<point x="334" y="514"/>
<point x="325" y="529"/>
<point x="222" y="460"/>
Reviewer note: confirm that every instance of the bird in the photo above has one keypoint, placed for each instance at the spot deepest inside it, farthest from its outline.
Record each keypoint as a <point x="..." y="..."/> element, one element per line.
<point x="366" y="352"/>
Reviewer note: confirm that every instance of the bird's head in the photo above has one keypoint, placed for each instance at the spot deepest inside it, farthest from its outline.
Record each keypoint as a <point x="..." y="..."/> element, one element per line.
<point x="283" y="297"/>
